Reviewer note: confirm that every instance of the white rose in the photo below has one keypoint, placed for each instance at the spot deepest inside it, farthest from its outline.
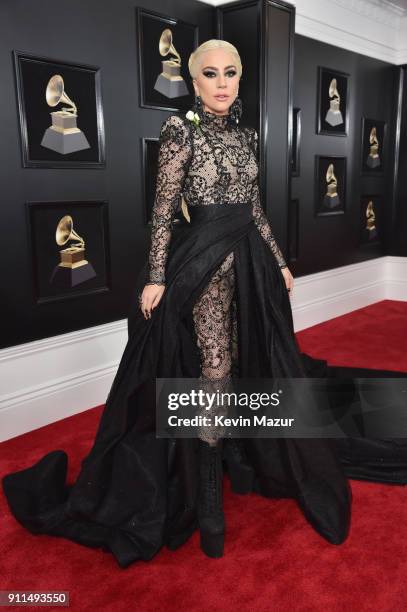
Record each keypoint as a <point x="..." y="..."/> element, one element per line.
<point x="190" y="115"/>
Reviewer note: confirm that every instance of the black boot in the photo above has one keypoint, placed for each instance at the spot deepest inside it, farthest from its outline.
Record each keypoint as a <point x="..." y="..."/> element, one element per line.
<point x="241" y="473"/>
<point x="210" y="504"/>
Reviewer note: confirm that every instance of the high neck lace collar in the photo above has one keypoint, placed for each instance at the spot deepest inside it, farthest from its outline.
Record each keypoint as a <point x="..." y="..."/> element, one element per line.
<point x="210" y="119"/>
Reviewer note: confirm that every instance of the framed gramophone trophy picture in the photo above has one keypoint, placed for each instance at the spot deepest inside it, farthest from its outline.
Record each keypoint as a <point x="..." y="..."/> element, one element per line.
<point x="296" y="142"/>
<point x="69" y="249"/>
<point x="370" y="219"/>
<point x="150" y="155"/>
<point x="293" y="233"/>
<point x="333" y="96"/>
<point x="164" y="47"/>
<point x="373" y="146"/>
<point x="60" y="112"/>
<point x="330" y="185"/>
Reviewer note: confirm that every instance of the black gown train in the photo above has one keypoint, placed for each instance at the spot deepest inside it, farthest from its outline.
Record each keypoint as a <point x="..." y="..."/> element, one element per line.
<point x="225" y="311"/>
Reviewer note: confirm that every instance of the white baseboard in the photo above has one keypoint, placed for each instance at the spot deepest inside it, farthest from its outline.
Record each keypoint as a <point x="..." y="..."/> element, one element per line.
<point x="67" y="374"/>
<point x="63" y="375"/>
<point x="332" y="293"/>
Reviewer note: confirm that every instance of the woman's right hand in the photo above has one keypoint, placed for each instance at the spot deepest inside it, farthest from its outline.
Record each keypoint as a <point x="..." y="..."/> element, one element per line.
<point x="150" y="298"/>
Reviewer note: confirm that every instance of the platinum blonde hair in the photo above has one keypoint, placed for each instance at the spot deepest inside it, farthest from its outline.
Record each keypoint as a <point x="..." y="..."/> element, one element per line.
<point x="196" y="58"/>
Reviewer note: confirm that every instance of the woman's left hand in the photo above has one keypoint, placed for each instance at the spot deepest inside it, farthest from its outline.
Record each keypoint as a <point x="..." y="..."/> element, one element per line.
<point x="289" y="280"/>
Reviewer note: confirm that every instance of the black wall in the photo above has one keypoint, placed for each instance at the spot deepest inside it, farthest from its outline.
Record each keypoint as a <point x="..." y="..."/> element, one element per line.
<point x="331" y="241"/>
<point x="103" y="33"/>
<point x="100" y="33"/>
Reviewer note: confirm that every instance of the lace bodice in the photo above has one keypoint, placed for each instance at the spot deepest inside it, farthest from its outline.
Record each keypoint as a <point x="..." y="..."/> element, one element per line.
<point x="207" y="165"/>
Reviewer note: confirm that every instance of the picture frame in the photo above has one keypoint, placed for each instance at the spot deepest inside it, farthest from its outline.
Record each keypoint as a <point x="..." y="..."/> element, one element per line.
<point x="74" y="136"/>
<point x="62" y="269"/>
<point x="150" y="148"/>
<point x="373" y="146"/>
<point x="165" y="83"/>
<point x="333" y="102"/>
<point x="371" y="209"/>
<point x="330" y="185"/>
<point x="293" y="234"/>
<point x="296" y="142"/>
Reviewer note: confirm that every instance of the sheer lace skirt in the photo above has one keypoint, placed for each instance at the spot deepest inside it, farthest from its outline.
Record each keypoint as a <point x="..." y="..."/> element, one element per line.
<point x="214" y="316"/>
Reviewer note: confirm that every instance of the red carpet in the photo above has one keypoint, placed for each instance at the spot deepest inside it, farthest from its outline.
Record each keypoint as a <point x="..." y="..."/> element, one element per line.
<point x="373" y="337"/>
<point x="274" y="560"/>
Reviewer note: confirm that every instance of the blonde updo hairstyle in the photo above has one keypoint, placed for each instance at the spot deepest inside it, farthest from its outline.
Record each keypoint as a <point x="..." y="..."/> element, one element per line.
<point x="195" y="59"/>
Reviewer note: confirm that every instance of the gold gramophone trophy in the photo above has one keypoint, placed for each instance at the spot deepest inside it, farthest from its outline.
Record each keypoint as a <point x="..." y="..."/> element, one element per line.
<point x="370" y="221"/>
<point x="63" y="135"/>
<point x="331" y="198"/>
<point x="73" y="267"/>
<point x="334" y="115"/>
<point x="373" y="159"/>
<point x="170" y="82"/>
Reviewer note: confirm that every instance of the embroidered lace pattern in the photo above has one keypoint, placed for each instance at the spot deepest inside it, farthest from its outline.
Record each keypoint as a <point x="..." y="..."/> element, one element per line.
<point x="213" y="164"/>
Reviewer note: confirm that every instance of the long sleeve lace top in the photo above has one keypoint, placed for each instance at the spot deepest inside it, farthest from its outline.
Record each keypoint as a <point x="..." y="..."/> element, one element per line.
<point x="215" y="163"/>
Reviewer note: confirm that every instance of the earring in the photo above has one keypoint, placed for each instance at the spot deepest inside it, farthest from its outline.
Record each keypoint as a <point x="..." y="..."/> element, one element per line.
<point x="235" y="111"/>
<point x="198" y="106"/>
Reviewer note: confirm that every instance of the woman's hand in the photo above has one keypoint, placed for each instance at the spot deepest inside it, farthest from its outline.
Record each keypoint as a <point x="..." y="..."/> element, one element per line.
<point x="289" y="280"/>
<point x="150" y="298"/>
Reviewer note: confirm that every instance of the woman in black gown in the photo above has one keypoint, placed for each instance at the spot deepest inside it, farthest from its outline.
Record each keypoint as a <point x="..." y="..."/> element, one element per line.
<point x="211" y="302"/>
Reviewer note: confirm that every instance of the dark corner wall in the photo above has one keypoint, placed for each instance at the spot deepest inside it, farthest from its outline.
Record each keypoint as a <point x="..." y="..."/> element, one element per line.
<point x="285" y="78"/>
<point x="101" y="33"/>
<point x="399" y="246"/>
<point x="330" y="241"/>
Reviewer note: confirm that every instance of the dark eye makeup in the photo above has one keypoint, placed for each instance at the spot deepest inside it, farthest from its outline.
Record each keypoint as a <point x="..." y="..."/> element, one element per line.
<point x="211" y="73"/>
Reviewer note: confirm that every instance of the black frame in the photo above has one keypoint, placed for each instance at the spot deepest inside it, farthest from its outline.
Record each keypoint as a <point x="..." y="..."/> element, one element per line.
<point x="362" y="203"/>
<point x="168" y="22"/>
<point x="317" y="209"/>
<point x="150" y="173"/>
<point x="296" y="143"/>
<point x="363" y="169"/>
<point x="37" y="163"/>
<point x="294" y="230"/>
<point x="319" y="128"/>
<point x="30" y="208"/>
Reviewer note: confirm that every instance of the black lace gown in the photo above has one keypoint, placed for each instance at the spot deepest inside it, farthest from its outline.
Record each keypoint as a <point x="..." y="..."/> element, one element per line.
<point x="225" y="312"/>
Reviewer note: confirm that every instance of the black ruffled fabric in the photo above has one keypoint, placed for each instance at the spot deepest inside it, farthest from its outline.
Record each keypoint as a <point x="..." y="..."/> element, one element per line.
<point x="135" y="492"/>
